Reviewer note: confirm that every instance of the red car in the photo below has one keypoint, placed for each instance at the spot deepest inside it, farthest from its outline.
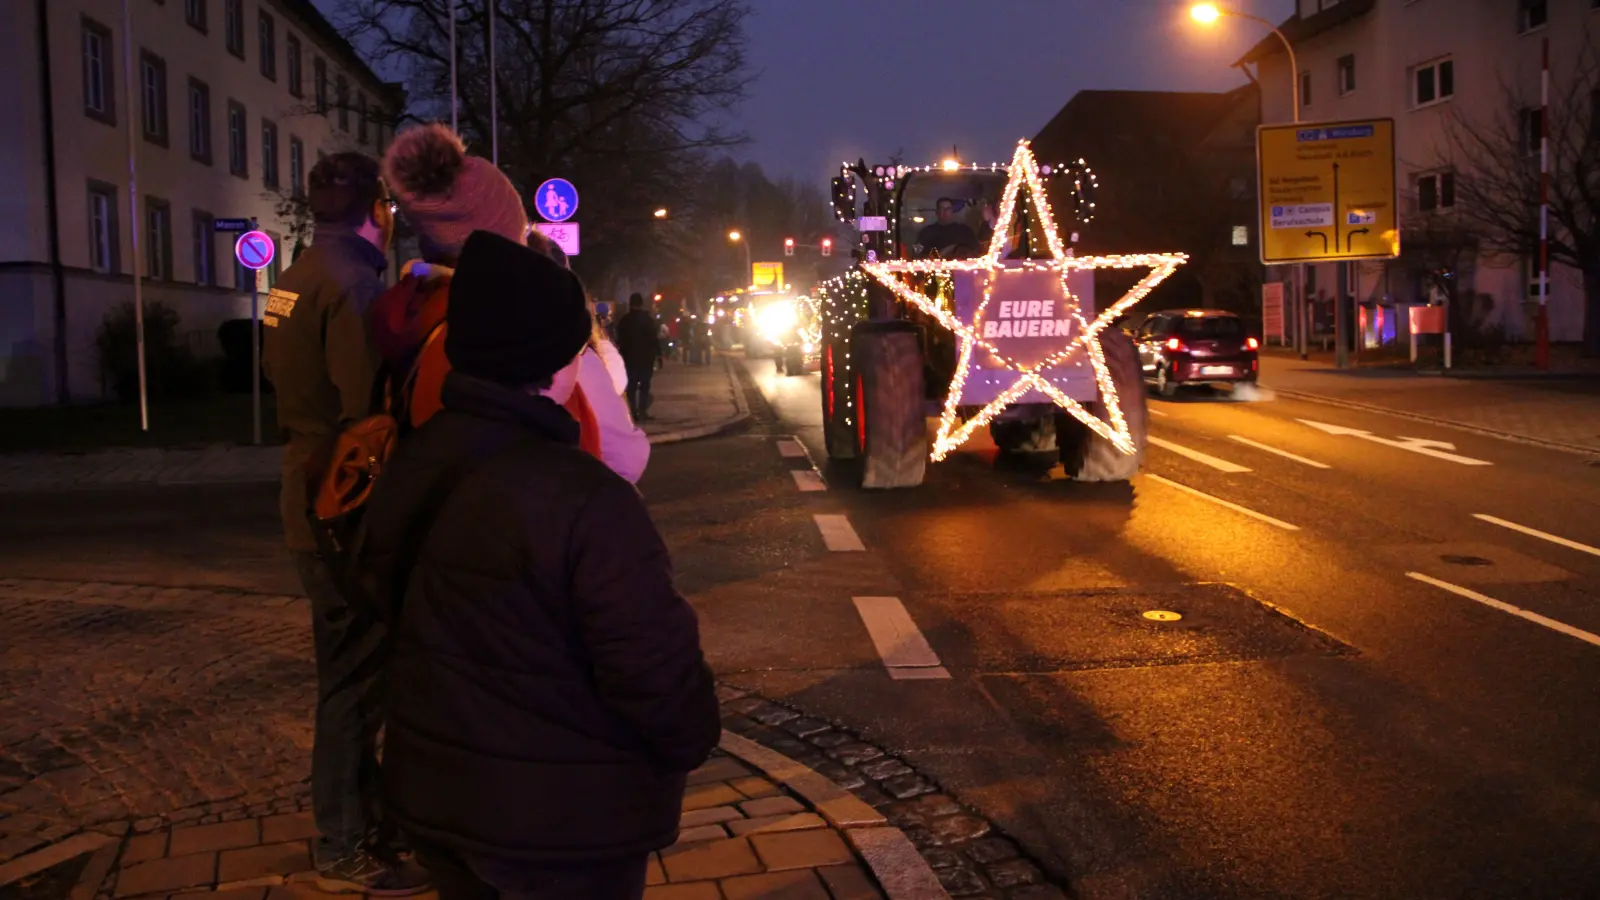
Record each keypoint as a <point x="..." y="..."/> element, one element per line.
<point x="1180" y="347"/>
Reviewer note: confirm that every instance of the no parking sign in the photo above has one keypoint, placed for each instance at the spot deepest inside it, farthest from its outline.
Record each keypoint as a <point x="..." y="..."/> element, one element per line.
<point x="254" y="250"/>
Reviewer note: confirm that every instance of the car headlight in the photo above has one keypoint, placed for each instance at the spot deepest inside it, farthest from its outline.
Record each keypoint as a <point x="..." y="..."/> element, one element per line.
<point x="808" y="347"/>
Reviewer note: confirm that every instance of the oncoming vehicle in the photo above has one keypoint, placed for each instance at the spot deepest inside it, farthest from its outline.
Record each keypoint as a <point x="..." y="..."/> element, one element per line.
<point x="1179" y="347"/>
<point x="791" y="327"/>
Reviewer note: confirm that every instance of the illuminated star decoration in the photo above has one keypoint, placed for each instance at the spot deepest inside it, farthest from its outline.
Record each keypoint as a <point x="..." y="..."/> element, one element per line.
<point x="1024" y="170"/>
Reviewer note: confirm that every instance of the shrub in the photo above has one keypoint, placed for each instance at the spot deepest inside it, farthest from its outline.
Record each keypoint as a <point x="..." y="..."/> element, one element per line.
<point x="171" y="369"/>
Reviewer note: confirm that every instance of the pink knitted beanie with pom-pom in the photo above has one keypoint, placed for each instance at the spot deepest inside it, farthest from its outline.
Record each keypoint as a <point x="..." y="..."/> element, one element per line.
<point x="447" y="194"/>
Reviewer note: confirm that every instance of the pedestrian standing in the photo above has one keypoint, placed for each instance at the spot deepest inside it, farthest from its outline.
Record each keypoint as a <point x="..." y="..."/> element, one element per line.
<point x="549" y="693"/>
<point x="324" y="371"/>
<point x="638" y="340"/>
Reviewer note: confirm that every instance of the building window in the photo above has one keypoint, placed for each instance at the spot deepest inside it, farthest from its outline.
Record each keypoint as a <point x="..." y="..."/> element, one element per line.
<point x="1531" y="130"/>
<point x="269" y="154"/>
<point x="361" y="118"/>
<point x="205" y="249"/>
<point x="1347" y="74"/>
<point x="99" y="85"/>
<point x="1305" y="88"/>
<point x="267" y="38"/>
<point x="1532" y="14"/>
<point x="274" y="268"/>
<point x="1434" y="82"/>
<point x="153" y="96"/>
<point x="319" y="79"/>
<point x="194" y="12"/>
<point x="297" y="167"/>
<point x="233" y="26"/>
<point x="297" y="86"/>
<point x="238" y="134"/>
<point x="103" y="241"/>
<point x="342" y="97"/>
<point x="244" y="277"/>
<point x="1436" y="191"/>
<point x="158" y="239"/>
<point x="199" y="121"/>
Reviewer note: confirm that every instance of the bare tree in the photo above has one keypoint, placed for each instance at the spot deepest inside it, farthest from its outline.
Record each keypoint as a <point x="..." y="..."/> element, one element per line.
<point x="1497" y="165"/>
<point x="620" y="96"/>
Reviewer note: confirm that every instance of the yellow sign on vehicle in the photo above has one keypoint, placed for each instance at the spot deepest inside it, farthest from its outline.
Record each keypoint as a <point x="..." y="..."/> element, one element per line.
<point x="1328" y="192"/>
<point x="767" y="275"/>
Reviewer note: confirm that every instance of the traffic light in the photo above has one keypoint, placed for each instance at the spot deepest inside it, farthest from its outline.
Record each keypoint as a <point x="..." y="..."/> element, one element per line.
<point x="827" y="246"/>
<point x="788" y="246"/>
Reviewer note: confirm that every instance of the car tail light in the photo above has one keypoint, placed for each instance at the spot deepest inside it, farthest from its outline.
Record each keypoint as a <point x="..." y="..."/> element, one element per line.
<point x="1175" y="344"/>
<point x="1252" y="344"/>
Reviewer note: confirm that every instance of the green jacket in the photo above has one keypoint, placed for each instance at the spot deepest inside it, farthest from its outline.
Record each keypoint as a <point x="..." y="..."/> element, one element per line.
<point x="319" y="356"/>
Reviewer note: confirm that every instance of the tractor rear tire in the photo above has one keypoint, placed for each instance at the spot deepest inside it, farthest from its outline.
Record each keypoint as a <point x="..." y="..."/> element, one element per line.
<point x="891" y="429"/>
<point x="1090" y="457"/>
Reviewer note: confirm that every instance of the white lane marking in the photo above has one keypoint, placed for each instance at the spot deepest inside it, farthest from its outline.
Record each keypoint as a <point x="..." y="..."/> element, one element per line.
<point x="808" y="480"/>
<point x="791" y="448"/>
<point x="905" y="652"/>
<point x="1157" y="412"/>
<point x="1570" y="545"/>
<point x="1220" y="465"/>
<point x="1283" y="453"/>
<point x="1435" y="449"/>
<point x="838" y="535"/>
<point x="1263" y="517"/>
<point x="1518" y="611"/>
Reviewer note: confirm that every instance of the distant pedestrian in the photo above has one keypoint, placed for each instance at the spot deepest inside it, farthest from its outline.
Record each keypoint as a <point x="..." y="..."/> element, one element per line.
<point x="324" y="370"/>
<point x="549" y="689"/>
<point x="637" y="338"/>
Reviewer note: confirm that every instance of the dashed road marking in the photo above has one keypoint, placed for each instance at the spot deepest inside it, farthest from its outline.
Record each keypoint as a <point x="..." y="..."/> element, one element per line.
<point x="1263" y="517"/>
<point x="905" y="652"/>
<point x="838" y="535"/>
<point x="1283" y="453"/>
<point x="1157" y="412"/>
<point x="1437" y="449"/>
<point x="1221" y="465"/>
<point x="1542" y="535"/>
<point x="808" y="480"/>
<point x="791" y="448"/>
<point x="1501" y="605"/>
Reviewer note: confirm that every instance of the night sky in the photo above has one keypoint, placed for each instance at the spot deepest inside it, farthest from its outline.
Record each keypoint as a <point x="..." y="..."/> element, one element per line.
<point x="836" y="79"/>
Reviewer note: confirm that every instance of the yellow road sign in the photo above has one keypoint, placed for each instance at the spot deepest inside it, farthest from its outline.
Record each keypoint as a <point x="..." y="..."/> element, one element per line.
<point x="767" y="275"/>
<point x="1328" y="192"/>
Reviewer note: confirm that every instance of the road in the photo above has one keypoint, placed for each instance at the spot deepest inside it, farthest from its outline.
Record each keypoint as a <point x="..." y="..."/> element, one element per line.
<point x="1375" y="690"/>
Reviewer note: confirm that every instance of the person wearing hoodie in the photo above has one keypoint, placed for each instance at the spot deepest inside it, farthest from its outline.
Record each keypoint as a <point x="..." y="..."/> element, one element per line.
<point x="445" y="194"/>
<point x="548" y="689"/>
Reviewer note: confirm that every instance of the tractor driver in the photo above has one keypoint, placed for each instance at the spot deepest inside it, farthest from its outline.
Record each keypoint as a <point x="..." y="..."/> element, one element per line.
<point x="948" y="236"/>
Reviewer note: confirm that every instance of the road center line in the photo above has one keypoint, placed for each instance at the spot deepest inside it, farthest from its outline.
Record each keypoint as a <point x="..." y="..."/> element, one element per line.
<point x="1263" y="517"/>
<point x="1221" y="465"/>
<point x="905" y="652"/>
<point x="791" y="448"/>
<point x="1157" y="412"/>
<point x="1283" y="453"/>
<point x="808" y="480"/>
<point x="1554" y="539"/>
<point x="1518" y="611"/>
<point x="838" y="535"/>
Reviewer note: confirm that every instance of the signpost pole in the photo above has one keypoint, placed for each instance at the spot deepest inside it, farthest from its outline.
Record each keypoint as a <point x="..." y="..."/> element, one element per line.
<point x="133" y="214"/>
<point x="1341" y="328"/>
<point x="455" y="125"/>
<point x="494" y="97"/>
<point x="255" y="359"/>
<point x="1541" y="352"/>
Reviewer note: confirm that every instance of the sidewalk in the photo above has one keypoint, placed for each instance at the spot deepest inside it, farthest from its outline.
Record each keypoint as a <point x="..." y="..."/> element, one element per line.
<point x="1563" y="413"/>
<point x="690" y="402"/>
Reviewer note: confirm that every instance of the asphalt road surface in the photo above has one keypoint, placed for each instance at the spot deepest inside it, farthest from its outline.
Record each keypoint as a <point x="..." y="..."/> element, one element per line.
<point x="1383" y="683"/>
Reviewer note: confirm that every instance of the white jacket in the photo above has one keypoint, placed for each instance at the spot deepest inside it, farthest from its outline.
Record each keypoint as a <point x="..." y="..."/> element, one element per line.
<point x="623" y="446"/>
<point x="614" y="364"/>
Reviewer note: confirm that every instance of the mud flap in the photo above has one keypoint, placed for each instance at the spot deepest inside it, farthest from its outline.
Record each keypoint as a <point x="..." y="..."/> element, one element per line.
<point x="1090" y="457"/>
<point x="891" y="431"/>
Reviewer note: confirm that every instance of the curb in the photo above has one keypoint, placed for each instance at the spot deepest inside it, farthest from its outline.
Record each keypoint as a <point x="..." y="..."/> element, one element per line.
<point x="700" y="431"/>
<point x="102" y="843"/>
<point x="895" y="861"/>
<point x="1433" y="420"/>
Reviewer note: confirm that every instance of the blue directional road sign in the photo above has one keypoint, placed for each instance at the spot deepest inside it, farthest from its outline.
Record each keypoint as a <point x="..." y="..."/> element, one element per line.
<point x="556" y="200"/>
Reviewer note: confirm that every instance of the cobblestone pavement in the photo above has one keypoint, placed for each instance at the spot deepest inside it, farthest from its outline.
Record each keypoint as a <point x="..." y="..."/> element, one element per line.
<point x="1554" y="411"/>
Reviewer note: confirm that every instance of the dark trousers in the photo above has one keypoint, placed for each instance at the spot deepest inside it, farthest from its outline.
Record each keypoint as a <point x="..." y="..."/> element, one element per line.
<point x="457" y="877"/>
<point x="639" y="375"/>
<point x="350" y="648"/>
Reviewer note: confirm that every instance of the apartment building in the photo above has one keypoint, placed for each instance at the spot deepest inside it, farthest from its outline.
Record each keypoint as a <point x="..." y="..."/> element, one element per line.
<point x="232" y="103"/>
<point x="1434" y="66"/>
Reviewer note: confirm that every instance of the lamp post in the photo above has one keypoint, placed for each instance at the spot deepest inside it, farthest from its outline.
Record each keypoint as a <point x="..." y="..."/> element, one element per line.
<point x="749" y="267"/>
<point x="1209" y="13"/>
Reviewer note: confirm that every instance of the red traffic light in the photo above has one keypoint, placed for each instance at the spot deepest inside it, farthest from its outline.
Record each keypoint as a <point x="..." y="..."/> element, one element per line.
<point x="827" y="246"/>
<point x="788" y="246"/>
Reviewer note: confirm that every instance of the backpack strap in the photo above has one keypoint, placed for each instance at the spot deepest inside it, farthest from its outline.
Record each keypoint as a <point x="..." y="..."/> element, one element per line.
<point x="401" y="406"/>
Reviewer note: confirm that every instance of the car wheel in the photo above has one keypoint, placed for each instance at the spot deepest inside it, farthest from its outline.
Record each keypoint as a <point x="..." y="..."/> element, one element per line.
<point x="1165" y="386"/>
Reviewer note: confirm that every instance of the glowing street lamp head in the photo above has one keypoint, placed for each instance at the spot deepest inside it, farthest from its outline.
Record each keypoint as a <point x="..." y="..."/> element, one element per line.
<point x="1205" y="13"/>
<point x="661" y="213"/>
<point x="950" y="165"/>
<point x="735" y="236"/>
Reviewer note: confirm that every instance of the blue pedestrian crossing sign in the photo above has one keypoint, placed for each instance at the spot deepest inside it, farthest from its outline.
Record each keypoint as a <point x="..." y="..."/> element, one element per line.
<point x="556" y="200"/>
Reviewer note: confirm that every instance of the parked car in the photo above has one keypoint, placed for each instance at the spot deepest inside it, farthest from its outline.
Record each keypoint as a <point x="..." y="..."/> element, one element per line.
<point x="1180" y="347"/>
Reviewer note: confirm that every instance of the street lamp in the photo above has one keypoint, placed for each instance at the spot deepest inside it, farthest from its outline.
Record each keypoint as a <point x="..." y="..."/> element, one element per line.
<point x="737" y="238"/>
<point x="661" y="213"/>
<point x="1209" y="13"/>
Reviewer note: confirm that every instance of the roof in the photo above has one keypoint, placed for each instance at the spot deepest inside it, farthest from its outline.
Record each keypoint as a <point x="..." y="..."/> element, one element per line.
<point x="1103" y="120"/>
<point x="1299" y="30"/>
<point x="314" y="21"/>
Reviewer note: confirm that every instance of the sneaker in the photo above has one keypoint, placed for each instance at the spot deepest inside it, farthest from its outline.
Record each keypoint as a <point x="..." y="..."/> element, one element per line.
<point x="363" y="873"/>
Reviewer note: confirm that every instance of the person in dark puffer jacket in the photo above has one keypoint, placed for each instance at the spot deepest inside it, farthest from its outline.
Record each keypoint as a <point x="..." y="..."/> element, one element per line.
<point x="548" y="693"/>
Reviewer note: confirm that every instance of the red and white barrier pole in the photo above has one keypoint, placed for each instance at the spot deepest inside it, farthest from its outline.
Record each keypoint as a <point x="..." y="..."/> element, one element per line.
<point x="1541" y="352"/>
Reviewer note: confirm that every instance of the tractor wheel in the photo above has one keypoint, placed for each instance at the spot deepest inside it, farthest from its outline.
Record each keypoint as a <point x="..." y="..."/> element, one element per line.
<point x="1089" y="457"/>
<point x="891" y="431"/>
<point x="837" y="388"/>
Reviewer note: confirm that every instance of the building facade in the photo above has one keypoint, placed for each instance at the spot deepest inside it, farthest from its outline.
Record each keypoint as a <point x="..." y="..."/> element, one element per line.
<point x="1440" y="69"/>
<point x="231" y="104"/>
